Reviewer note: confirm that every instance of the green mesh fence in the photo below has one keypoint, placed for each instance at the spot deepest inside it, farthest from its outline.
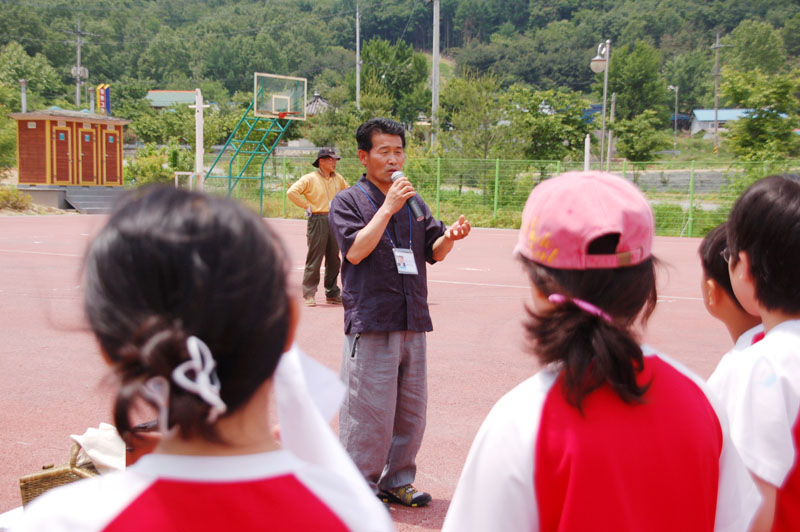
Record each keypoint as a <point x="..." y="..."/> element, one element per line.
<point x="688" y="199"/>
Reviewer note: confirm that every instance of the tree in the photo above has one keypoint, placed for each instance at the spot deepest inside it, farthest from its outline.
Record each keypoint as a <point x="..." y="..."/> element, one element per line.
<point x="547" y="125"/>
<point x="8" y="132"/>
<point x="400" y="71"/>
<point x="791" y="37"/>
<point x="336" y="126"/>
<point x="767" y="133"/>
<point x="754" y="45"/>
<point x="560" y="47"/>
<point x="154" y="164"/>
<point x="634" y="76"/>
<point x="639" y="137"/>
<point x="474" y="116"/>
<point x="475" y="124"/>
<point x="167" y="54"/>
<point x="692" y="73"/>
<point x="16" y="64"/>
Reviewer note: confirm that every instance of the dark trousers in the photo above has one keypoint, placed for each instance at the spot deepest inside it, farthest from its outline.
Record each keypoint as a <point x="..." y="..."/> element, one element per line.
<point x="321" y="244"/>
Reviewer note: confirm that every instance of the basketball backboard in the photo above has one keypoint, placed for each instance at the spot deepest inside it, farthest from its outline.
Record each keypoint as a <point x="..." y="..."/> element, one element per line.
<point x="277" y="96"/>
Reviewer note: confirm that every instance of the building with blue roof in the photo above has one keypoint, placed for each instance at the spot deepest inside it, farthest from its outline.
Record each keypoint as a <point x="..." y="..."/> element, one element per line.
<point x="703" y="119"/>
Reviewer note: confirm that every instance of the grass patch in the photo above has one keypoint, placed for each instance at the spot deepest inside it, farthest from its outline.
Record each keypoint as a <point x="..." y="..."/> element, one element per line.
<point x="700" y="149"/>
<point x="14" y="199"/>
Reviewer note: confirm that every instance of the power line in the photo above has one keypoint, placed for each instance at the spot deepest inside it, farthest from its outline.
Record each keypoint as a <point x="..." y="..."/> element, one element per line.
<point x="413" y="8"/>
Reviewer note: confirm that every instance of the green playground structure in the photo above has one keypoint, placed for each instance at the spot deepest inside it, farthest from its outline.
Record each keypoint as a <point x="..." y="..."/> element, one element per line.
<point x="252" y="142"/>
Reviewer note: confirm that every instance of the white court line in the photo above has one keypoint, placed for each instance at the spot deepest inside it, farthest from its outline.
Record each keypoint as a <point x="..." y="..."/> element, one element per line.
<point x="491" y="285"/>
<point x="26" y="252"/>
<point x="661" y="297"/>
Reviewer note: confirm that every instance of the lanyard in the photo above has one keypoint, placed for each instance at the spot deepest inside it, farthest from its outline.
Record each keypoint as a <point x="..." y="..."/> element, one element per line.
<point x="410" y="227"/>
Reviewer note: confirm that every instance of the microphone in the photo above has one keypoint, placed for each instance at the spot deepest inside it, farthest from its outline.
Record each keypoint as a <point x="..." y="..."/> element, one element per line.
<point x="412" y="202"/>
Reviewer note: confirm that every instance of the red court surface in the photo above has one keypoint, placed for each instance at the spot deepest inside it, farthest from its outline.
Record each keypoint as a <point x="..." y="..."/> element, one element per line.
<point x="51" y="374"/>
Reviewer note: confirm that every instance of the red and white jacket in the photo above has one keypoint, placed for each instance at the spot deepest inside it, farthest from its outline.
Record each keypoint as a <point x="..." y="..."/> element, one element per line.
<point x="270" y="491"/>
<point x="666" y="464"/>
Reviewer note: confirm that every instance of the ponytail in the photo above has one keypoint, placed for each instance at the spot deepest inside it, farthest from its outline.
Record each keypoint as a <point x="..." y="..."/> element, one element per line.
<point x="169" y="265"/>
<point x="155" y="351"/>
<point x="592" y="349"/>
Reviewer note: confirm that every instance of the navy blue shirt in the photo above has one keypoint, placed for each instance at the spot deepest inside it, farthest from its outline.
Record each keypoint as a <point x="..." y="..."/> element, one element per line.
<point x="375" y="296"/>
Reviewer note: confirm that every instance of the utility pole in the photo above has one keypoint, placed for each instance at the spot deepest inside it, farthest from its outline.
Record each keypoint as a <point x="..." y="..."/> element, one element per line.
<point x="80" y="73"/>
<point x="611" y="131"/>
<point x="716" y="48"/>
<point x="358" y="57"/>
<point x="675" y="88"/>
<point x="435" y="76"/>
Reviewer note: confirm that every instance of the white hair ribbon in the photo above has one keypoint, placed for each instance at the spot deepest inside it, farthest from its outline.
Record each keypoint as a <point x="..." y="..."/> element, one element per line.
<point x="206" y="383"/>
<point x="157" y="390"/>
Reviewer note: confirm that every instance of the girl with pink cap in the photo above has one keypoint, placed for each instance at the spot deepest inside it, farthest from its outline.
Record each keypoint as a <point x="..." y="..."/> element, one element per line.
<point x="609" y="434"/>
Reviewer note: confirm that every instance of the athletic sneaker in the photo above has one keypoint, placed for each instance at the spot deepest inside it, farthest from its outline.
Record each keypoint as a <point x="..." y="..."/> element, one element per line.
<point x="406" y="495"/>
<point x="335" y="300"/>
<point x="311" y="302"/>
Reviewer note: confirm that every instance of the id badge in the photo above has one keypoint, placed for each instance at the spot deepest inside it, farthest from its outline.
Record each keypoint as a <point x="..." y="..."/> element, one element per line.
<point x="404" y="260"/>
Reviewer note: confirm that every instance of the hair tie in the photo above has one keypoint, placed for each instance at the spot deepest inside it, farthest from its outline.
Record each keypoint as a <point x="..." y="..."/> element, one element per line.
<point x="206" y="382"/>
<point x="560" y="299"/>
<point x="156" y="389"/>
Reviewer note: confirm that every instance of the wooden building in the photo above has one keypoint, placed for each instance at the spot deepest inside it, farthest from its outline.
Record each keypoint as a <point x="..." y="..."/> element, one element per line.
<point x="67" y="148"/>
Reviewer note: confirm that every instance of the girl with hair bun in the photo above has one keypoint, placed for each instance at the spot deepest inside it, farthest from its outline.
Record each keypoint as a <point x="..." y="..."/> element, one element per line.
<point x="187" y="297"/>
<point x="608" y="435"/>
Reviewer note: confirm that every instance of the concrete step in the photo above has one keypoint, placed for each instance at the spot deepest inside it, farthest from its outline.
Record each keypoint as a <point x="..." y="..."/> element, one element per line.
<point x="93" y="200"/>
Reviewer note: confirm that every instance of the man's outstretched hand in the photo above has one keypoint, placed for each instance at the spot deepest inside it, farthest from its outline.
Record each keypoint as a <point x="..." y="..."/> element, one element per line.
<point x="458" y="230"/>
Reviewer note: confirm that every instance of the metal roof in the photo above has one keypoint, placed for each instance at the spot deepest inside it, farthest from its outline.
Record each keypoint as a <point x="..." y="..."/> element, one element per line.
<point x="165" y="98"/>
<point x="723" y="115"/>
<point x="57" y="112"/>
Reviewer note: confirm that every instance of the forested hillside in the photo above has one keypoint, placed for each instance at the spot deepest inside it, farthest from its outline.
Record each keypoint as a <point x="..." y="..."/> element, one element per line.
<point x="528" y="45"/>
<point x="547" y="43"/>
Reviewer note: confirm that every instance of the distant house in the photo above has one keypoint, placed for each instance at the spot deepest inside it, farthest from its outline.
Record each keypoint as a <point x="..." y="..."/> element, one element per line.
<point x="588" y="114"/>
<point x="161" y="99"/>
<point x="316" y="104"/>
<point x="703" y="119"/>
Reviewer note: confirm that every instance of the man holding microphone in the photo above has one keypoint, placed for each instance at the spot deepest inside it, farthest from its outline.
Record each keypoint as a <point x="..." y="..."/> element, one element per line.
<point x="314" y="192"/>
<point x="382" y="419"/>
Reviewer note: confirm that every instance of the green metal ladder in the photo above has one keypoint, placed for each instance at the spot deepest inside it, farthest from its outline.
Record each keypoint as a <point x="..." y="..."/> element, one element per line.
<point x="252" y="137"/>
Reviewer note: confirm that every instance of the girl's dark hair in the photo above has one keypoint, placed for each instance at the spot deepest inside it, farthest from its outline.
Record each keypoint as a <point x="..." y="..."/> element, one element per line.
<point x="714" y="266"/>
<point x="592" y="351"/>
<point x="378" y="125"/>
<point x="170" y="264"/>
<point x="765" y="223"/>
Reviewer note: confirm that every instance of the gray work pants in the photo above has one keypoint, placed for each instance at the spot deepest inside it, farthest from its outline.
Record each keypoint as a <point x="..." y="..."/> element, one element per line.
<point x="383" y="414"/>
<point x="321" y="244"/>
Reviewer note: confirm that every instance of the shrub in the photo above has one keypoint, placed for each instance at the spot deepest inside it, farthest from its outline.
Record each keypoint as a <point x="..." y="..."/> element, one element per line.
<point x="154" y="164"/>
<point x="11" y="198"/>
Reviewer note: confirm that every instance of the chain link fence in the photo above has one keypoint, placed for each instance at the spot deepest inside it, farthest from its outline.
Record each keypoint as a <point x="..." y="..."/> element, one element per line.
<point x="688" y="198"/>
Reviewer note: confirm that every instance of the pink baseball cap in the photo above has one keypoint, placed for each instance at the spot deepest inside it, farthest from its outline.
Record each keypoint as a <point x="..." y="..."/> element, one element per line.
<point x="563" y="215"/>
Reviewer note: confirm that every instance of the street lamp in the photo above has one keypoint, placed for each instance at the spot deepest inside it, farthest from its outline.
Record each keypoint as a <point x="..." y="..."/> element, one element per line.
<point x="599" y="64"/>
<point x="675" y="120"/>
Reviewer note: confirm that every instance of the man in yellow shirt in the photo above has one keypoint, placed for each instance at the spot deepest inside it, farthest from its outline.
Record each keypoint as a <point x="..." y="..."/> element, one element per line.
<point x="313" y="192"/>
